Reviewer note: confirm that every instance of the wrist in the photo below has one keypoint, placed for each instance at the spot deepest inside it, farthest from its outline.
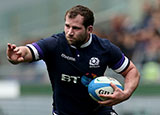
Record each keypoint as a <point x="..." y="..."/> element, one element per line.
<point x="127" y="94"/>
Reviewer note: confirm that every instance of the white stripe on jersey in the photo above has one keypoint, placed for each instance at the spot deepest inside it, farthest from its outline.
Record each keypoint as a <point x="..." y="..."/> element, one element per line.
<point x="123" y="66"/>
<point x="54" y="114"/>
<point x="36" y="54"/>
<point x="87" y="43"/>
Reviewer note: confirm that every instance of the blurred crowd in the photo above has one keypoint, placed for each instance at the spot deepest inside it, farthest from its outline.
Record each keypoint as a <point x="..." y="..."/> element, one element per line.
<point x="141" y="41"/>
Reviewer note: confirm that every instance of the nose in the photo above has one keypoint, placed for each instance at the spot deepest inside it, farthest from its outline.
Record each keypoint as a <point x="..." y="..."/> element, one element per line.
<point x="70" y="32"/>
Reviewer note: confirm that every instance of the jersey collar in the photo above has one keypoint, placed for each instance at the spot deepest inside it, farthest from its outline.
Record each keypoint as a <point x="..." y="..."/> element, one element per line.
<point x="85" y="44"/>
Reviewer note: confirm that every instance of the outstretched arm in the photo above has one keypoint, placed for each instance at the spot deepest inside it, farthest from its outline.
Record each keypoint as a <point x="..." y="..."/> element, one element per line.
<point x="19" y="54"/>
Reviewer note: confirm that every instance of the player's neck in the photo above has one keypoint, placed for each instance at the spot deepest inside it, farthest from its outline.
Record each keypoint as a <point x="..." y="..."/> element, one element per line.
<point x="87" y="43"/>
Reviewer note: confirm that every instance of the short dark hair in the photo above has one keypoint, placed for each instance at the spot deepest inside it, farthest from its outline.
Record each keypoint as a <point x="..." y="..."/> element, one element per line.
<point x="83" y="11"/>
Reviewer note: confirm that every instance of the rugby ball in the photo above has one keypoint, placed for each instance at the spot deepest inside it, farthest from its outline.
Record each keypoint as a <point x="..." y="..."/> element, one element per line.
<point x="101" y="85"/>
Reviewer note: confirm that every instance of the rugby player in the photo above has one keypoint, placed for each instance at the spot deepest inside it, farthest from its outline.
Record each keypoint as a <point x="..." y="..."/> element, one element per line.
<point x="72" y="54"/>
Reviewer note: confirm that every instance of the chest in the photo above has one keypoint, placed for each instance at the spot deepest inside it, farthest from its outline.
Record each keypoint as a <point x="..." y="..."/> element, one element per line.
<point x="81" y="61"/>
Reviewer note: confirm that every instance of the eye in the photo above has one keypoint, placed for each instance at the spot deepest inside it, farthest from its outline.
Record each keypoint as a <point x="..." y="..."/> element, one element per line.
<point x="76" y="28"/>
<point x="67" y="25"/>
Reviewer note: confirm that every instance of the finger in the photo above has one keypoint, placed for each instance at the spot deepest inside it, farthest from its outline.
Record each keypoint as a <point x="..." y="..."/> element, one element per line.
<point x="106" y="103"/>
<point x="106" y="96"/>
<point x="18" y="52"/>
<point x="16" y="49"/>
<point x="9" y="46"/>
<point x="113" y="86"/>
<point x="13" y="46"/>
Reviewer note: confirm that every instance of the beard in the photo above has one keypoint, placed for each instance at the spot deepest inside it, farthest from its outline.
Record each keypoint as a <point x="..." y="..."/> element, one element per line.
<point x="77" y="41"/>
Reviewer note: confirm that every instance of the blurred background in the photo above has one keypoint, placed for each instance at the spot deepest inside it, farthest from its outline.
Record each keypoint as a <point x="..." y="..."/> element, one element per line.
<point x="133" y="25"/>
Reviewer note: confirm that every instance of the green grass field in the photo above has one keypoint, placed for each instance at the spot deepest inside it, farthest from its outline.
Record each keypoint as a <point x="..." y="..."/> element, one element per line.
<point x="37" y="89"/>
<point x="148" y="90"/>
<point x="142" y="90"/>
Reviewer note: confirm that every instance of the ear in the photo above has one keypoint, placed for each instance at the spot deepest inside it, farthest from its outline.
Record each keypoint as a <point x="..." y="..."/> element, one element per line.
<point x="90" y="29"/>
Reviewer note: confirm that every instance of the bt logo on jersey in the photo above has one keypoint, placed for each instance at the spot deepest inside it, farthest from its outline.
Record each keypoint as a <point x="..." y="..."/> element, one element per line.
<point x="68" y="78"/>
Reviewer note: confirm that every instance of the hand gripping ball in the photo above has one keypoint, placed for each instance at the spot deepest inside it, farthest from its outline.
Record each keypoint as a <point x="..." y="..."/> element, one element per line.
<point x="101" y="85"/>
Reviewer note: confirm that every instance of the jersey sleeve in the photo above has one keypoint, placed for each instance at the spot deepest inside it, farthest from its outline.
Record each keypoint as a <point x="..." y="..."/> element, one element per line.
<point x="118" y="61"/>
<point x="43" y="48"/>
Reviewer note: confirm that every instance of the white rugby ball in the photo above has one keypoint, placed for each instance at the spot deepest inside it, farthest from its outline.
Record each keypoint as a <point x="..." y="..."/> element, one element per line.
<point x="101" y="85"/>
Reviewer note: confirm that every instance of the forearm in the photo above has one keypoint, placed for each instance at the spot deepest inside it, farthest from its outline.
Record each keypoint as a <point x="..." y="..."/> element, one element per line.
<point x="131" y="82"/>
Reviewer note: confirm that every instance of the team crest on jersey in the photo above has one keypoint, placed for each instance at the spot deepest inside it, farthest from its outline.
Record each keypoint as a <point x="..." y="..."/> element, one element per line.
<point x="94" y="62"/>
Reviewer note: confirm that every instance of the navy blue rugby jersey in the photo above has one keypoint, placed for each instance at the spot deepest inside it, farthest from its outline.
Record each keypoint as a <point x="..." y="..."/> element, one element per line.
<point x="67" y="64"/>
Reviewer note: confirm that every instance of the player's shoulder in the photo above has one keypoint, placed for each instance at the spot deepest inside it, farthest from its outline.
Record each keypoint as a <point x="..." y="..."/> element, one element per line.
<point x="103" y="42"/>
<point x="54" y="38"/>
<point x="59" y="35"/>
<point x="51" y="42"/>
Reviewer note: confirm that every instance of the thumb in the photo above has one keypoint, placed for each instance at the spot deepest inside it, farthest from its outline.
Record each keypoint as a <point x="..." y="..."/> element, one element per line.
<point x="20" y="59"/>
